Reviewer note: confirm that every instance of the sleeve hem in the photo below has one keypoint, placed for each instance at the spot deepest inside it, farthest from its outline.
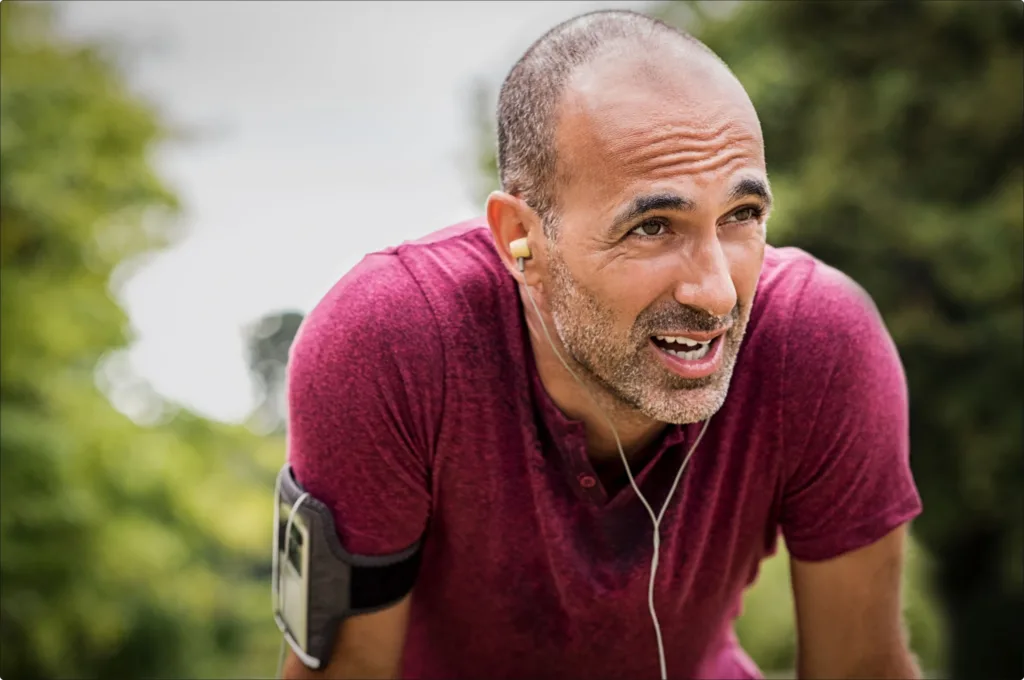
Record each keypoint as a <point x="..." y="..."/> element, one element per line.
<point x="863" y="535"/>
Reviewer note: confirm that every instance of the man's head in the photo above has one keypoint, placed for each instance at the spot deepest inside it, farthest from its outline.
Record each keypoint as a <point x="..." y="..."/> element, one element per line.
<point x="633" y="159"/>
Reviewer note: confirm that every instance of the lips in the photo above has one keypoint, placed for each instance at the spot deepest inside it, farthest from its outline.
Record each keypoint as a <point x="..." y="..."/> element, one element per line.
<point x="690" y="355"/>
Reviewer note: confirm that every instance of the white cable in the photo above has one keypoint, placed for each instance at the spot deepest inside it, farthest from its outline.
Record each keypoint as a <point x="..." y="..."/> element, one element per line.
<point x="287" y="549"/>
<point x="655" y="519"/>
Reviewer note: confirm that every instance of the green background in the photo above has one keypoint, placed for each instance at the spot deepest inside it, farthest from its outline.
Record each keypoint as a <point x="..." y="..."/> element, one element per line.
<point x="893" y="136"/>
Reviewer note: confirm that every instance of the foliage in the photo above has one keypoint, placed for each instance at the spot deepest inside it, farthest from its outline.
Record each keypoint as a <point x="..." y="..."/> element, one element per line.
<point x="900" y="161"/>
<point x="127" y="551"/>
<point x="268" y="341"/>
<point x="893" y="137"/>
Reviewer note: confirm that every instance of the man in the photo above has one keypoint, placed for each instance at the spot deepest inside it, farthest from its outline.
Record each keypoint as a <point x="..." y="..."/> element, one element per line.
<point x="427" y="403"/>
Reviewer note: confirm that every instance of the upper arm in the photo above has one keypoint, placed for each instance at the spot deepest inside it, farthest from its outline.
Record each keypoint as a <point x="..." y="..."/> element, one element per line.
<point x="848" y="491"/>
<point x="366" y="646"/>
<point x="365" y="381"/>
<point x="849" y="614"/>
<point x="847" y="477"/>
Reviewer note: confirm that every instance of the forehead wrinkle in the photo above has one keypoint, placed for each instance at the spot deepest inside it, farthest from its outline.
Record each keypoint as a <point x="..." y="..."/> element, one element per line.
<point x="616" y="140"/>
<point x="602" y="136"/>
<point x="692" y="137"/>
<point x="681" y="146"/>
<point x="666" y="167"/>
<point x="671" y="156"/>
<point x="645" y="146"/>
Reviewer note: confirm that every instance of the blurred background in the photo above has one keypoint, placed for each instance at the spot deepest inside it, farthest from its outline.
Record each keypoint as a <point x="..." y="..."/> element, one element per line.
<point x="182" y="182"/>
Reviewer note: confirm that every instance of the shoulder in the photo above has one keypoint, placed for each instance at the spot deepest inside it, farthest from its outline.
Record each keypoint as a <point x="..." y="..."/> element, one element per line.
<point x="844" y="413"/>
<point x="458" y="269"/>
<point x="395" y="295"/>
<point x="376" y="302"/>
<point x="818" y="339"/>
<point x="837" y="364"/>
<point x="816" y="311"/>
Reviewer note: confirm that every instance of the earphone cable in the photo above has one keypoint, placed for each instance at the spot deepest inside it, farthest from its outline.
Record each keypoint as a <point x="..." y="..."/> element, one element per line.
<point x="655" y="519"/>
<point x="287" y="553"/>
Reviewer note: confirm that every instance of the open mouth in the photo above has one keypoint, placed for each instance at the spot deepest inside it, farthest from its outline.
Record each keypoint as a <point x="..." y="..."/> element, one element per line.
<point x="683" y="347"/>
<point x="691" y="356"/>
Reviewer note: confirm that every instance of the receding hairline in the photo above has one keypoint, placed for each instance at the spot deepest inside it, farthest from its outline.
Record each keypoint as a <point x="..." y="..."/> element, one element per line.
<point x="695" y="74"/>
<point x="533" y="92"/>
<point x="652" y="55"/>
<point x="663" y="67"/>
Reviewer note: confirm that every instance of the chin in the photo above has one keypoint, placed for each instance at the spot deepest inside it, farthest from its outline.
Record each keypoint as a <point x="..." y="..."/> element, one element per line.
<point x="692" y="403"/>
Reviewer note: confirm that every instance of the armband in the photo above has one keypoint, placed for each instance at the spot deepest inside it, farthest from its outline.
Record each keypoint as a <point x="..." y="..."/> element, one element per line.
<point x="316" y="583"/>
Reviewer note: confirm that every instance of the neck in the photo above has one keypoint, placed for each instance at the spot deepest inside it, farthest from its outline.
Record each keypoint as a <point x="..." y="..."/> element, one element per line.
<point x="635" y="430"/>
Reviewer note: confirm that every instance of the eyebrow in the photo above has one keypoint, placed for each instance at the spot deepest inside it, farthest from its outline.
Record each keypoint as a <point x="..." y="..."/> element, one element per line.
<point x="750" y="187"/>
<point x="641" y="205"/>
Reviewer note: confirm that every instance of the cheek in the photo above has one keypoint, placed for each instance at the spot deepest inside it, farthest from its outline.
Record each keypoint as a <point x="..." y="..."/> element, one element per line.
<point x="745" y="257"/>
<point x="632" y="286"/>
<point x="627" y="286"/>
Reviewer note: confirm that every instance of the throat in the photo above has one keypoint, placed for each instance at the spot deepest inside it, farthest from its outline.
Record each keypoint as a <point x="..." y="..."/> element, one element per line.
<point x="611" y="471"/>
<point x="636" y="444"/>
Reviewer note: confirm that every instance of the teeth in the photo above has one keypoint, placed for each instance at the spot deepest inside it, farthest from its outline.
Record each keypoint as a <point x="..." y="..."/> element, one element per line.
<point x="692" y="355"/>
<point x="682" y="340"/>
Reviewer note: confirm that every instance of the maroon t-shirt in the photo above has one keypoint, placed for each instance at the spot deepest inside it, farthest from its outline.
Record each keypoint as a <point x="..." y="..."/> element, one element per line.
<point x="416" y="411"/>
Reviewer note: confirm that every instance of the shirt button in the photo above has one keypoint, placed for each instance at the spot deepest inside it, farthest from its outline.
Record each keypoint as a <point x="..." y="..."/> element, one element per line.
<point x="586" y="481"/>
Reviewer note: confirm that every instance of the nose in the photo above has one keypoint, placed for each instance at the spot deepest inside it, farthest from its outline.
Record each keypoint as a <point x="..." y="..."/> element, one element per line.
<point x="706" y="282"/>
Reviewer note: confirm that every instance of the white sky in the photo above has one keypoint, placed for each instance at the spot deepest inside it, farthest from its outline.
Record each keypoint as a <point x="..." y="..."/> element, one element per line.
<point x="338" y="128"/>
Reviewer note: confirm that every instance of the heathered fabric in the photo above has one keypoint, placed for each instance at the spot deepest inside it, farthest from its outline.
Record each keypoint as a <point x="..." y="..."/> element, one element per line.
<point x="416" y="410"/>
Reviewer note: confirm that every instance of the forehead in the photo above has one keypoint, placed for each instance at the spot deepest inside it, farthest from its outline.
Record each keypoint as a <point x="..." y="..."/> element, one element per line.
<point x="628" y="124"/>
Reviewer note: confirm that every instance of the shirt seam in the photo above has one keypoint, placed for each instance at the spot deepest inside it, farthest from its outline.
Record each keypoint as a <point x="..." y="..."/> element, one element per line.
<point x="791" y="467"/>
<point x="435" y="453"/>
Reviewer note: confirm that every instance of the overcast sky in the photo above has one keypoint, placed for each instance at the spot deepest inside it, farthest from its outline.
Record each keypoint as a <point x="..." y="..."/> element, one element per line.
<point x="338" y="128"/>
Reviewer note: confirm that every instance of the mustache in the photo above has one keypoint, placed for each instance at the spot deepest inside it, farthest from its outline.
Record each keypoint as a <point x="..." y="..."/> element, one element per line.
<point x="683" y="318"/>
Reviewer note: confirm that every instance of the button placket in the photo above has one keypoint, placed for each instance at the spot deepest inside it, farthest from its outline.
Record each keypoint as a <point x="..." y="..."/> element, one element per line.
<point x="588" y="486"/>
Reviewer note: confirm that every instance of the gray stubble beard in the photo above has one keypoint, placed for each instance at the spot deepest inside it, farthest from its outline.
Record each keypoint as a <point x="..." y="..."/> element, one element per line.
<point x="627" y="374"/>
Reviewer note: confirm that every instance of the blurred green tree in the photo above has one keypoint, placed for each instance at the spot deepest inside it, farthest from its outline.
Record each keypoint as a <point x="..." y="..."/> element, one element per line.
<point x="267" y="342"/>
<point x="127" y="551"/>
<point x="894" y="138"/>
<point x="893" y="133"/>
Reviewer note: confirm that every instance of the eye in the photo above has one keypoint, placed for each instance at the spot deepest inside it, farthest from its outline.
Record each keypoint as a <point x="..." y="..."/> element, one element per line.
<point x="745" y="214"/>
<point x="650" y="229"/>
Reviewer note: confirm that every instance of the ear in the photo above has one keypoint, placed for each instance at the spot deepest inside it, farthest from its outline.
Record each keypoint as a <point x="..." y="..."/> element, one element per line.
<point x="511" y="219"/>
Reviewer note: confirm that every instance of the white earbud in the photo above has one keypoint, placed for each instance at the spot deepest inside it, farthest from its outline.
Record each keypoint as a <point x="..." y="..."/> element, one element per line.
<point x="520" y="249"/>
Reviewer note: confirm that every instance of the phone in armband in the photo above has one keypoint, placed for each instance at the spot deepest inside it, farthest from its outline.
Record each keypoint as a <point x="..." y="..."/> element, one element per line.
<point x="316" y="583"/>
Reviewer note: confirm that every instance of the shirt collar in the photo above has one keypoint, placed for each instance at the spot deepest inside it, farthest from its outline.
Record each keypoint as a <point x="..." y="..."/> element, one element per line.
<point x="574" y="432"/>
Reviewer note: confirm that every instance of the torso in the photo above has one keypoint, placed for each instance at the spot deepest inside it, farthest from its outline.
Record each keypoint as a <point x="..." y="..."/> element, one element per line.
<point x="536" y="561"/>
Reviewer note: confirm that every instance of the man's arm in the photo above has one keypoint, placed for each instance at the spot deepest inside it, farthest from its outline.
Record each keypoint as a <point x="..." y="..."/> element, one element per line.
<point x="849" y="492"/>
<point x="849" y="614"/>
<point x="367" y="646"/>
<point x="365" y="379"/>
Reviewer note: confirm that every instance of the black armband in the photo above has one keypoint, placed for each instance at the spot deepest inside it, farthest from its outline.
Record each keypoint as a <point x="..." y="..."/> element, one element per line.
<point x="316" y="583"/>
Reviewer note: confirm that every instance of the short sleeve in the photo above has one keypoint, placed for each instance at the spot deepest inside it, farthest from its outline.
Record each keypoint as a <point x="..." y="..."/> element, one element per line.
<point x="365" y="387"/>
<point x="845" y="423"/>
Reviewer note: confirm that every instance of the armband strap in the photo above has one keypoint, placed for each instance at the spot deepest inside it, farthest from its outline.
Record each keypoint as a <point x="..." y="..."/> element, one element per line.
<point x="317" y="584"/>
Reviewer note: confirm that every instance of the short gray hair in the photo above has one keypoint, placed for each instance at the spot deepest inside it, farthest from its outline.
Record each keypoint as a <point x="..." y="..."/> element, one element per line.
<point x="529" y="97"/>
